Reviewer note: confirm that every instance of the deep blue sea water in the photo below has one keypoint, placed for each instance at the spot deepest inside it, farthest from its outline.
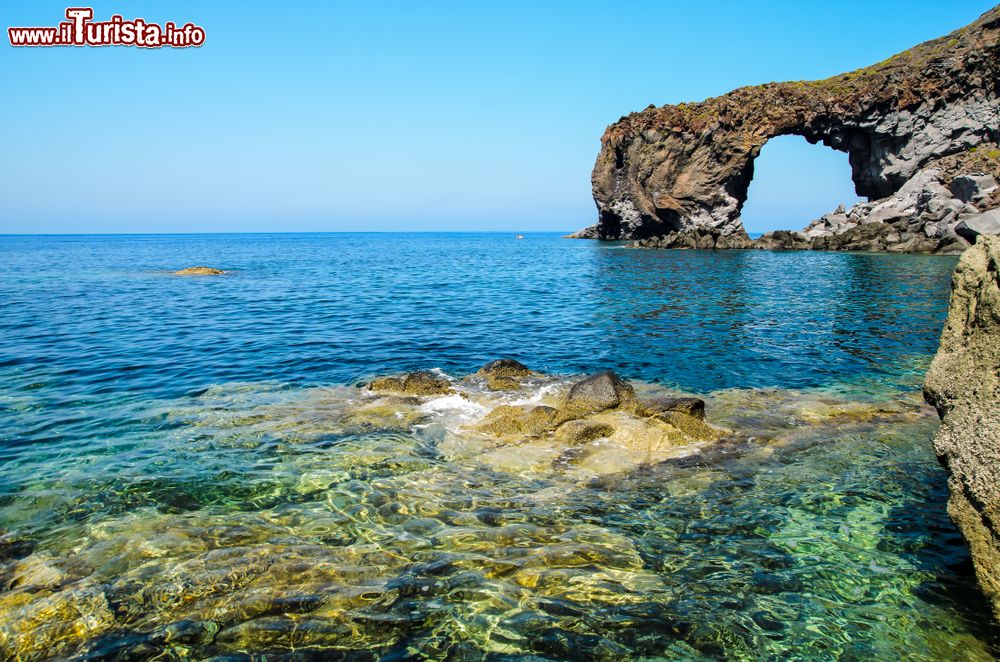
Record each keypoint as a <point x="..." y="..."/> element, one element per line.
<point x="152" y="424"/>
<point x="100" y="315"/>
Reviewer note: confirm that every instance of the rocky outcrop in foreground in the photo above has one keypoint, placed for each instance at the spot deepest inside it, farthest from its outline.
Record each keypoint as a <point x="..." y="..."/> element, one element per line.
<point x="964" y="385"/>
<point x="561" y="430"/>
<point x="920" y="130"/>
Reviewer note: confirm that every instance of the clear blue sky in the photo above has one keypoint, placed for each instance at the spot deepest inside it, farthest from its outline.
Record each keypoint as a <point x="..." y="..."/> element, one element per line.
<point x="404" y="115"/>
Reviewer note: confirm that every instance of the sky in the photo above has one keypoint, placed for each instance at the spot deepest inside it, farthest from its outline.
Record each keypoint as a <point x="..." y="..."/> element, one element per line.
<point x="396" y="116"/>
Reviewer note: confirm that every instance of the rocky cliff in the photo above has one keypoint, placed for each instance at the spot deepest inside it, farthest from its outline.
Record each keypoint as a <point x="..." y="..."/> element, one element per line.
<point x="964" y="385"/>
<point x="920" y="129"/>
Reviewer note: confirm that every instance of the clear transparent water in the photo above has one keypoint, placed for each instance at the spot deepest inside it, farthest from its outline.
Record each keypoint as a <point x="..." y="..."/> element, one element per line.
<point x="183" y="472"/>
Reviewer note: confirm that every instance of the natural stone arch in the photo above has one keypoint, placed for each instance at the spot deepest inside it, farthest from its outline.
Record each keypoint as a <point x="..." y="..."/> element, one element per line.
<point x="686" y="166"/>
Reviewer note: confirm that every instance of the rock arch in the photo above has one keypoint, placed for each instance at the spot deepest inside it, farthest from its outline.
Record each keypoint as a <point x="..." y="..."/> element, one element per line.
<point x="687" y="166"/>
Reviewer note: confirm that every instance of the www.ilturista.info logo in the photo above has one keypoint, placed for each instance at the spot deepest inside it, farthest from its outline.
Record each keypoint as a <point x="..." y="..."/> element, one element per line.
<point x="80" y="30"/>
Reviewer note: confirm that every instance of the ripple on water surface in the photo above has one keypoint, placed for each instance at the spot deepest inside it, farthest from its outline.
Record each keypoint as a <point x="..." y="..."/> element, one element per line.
<point x="181" y="474"/>
<point x="274" y="519"/>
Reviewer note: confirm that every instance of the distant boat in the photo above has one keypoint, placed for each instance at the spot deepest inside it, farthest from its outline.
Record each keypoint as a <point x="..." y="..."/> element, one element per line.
<point x="519" y="236"/>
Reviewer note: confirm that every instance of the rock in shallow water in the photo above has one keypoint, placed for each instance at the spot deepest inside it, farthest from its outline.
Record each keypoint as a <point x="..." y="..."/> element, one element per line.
<point x="601" y="391"/>
<point x="504" y="374"/>
<point x="200" y="271"/>
<point x="523" y="420"/>
<point x="412" y="383"/>
<point x="582" y="431"/>
<point x="37" y="626"/>
<point x="963" y="383"/>
<point x="690" y="406"/>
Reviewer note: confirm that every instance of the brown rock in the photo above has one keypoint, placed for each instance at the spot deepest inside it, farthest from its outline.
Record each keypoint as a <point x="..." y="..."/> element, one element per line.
<point x="690" y="406"/>
<point x="504" y="374"/>
<point x="693" y="427"/>
<point x="601" y="391"/>
<point x="582" y="431"/>
<point x="200" y="271"/>
<point x="412" y="383"/>
<point x="522" y="420"/>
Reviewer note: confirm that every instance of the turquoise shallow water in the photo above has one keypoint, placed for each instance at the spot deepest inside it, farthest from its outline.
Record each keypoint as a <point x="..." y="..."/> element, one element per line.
<point x="188" y="471"/>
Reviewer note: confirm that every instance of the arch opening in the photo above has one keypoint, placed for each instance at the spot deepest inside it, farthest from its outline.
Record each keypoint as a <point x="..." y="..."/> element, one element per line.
<point x="793" y="183"/>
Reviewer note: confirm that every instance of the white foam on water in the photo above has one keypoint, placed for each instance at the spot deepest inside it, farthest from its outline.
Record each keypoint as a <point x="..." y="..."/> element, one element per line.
<point x="454" y="410"/>
<point x="539" y="395"/>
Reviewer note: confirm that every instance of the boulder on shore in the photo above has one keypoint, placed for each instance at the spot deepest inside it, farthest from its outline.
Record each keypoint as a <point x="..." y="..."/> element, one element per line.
<point x="987" y="223"/>
<point x="963" y="383"/>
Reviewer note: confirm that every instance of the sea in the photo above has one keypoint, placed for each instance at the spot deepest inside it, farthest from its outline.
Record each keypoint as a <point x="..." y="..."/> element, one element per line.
<point x="193" y="467"/>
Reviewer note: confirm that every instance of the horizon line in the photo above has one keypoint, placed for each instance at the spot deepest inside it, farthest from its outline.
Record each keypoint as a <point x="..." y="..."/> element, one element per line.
<point x="246" y="232"/>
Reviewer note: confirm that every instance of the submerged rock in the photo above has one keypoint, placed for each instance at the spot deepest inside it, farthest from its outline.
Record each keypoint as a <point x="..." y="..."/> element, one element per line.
<point x="200" y="271"/>
<point x="390" y="413"/>
<point x="582" y="431"/>
<point x="963" y="383"/>
<point x="412" y="383"/>
<point x="690" y="406"/>
<point x="37" y="626"/>
<point x="13" y="547"/>
<point x="37" y="571"/>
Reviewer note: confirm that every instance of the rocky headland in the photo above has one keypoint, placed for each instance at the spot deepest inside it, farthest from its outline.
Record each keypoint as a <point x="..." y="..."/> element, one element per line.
<point x="963" y="383"/>
<point x="920" y="129"/>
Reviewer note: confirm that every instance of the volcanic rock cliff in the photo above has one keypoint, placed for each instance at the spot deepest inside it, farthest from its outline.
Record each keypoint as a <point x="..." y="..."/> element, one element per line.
<point x="920" y="129"/>
<point x="964" y="384"/>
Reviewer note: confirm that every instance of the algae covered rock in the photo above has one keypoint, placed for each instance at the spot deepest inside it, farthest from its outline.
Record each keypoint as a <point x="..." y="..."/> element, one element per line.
<point x="694" y="427"/>
<point x="200" y="271"/>
<point x="412" y="383"/>
<point x="388" y="413"/>
<point x="504" y="374"/>
<point x="582" y="431"/>
<point x="690" y="406"/>
<point x="526" y="420"/>
<point x="963" y="384"/>
<point x="599" y="392"/>
<point x="39" y="628"/>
